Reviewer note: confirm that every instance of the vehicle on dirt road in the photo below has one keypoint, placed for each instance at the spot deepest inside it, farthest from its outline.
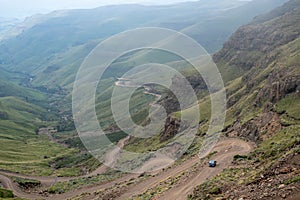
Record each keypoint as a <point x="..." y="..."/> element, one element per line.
<point x="212" y="163"/>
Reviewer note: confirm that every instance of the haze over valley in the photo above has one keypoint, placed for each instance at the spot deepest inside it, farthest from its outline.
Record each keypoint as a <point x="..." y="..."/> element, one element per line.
<point x="208" y="109"/>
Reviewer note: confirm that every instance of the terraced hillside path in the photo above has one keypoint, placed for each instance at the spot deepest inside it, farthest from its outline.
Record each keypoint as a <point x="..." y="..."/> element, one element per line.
<point x="226" y="148"/>
<point x="7" y="182"/>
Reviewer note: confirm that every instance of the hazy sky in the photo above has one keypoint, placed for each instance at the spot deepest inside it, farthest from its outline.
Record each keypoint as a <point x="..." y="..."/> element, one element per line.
<point x="23" y="8"/>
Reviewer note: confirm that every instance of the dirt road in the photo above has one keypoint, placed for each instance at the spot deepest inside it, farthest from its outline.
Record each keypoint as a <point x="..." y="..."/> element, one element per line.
<point x="226" y="150"/>
<point x="48" y="181"/>
<point x="6" y="180"/>
<point x="9" y="184"/>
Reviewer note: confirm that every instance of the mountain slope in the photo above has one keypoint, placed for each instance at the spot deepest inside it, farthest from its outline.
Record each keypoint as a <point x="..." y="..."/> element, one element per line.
<point x="61" y="40"/>
<point x="260" y="64"/>
<point x="212" y="32"/>
<point x="263" y="107"/>
<point x="6" y="25"/>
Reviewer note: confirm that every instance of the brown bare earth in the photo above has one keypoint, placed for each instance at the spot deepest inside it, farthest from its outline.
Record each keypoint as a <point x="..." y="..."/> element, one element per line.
<point x="226" y="148"/>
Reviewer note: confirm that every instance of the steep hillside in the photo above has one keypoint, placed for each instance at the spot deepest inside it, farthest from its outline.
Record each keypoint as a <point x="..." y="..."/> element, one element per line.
<point x="6" y="25"/>
<point x="40" y="59"/>
<point x="57" y="43"/>
<point x="212" y="32"/>
<point x="22" y="149"/>
<point x="10" y="89"/>
<point x="260" y="66"/>
<point x="25" y="149"/>
<point x="22" y="108"/>
<point x="263" y="107"/>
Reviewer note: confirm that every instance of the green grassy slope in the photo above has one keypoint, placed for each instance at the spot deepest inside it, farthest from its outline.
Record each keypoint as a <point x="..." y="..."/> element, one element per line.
<point x="56" y="46"/>
<point x="10" y="89"/>
<point x="22" y="111"/>
<point x="263" y="107"/>
<point x="52" y="51"/>
<point x="22" y="150"/>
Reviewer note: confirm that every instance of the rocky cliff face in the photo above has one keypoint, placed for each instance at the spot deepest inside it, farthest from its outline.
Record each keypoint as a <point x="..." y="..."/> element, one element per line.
<point x="263" y="107"/>
<point x="251" y="45"/>
<point x="258" y="128"/>
<point x="277" y="87"/>
<point x="266" y="55"/>
<point x="267" y="51"/>
<point x="172" y="126"/>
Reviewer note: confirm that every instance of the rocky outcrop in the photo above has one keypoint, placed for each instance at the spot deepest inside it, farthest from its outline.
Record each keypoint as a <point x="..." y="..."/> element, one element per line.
<point x="174" y="103"/>
<point x="277" y="87"/>
<point x="267" y="53"/>
<point x="257" y="129"/>
<point x="262" y="50"/>
<point x="251" y="44"/>
<point x="277" y="182"/>
<point x="172" y="126"/>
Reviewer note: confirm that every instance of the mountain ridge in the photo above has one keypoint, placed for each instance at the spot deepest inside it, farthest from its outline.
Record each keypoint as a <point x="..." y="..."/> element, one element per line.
<point x="260" y="67"/>
<point x="263" y="107"/>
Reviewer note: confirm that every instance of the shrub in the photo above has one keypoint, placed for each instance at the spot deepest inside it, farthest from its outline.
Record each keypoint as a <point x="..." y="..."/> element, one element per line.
<point x="6" y="193"/>
<point x="27" y="183"/>
<point x="293" y="180"/>
<point x="239" y="157"/>
<point x="3" y="115"/>
<point x="215" y="190"/>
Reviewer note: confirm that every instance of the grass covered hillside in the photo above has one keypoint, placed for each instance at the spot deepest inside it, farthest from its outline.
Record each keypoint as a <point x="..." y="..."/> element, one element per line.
<point x="53" y="48"/>
<point x="263" y="107"/>
<point x="23" y="150"/>
<point x="260" y="66"/>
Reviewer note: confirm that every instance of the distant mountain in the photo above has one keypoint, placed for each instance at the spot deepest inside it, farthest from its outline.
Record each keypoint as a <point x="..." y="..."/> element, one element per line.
<point x="45" y="44"/>
<point x="6" y="25"/>
<point x="17" y="27"/>
<point x="212" y="32"/>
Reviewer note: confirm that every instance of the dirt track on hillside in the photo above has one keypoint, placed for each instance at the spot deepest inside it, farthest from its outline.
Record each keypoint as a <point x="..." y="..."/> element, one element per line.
<point x="226" y="151"/>
<point x="227" y="148"/>
<point x="6" y="180"/>
<point x="48" y="181"/>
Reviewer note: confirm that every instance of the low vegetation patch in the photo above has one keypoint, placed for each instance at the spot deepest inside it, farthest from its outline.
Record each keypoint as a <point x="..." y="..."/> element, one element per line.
<point x="6" y="193"/>
<point x="268" y="154"/>
<point x="63" y="187"/>
<point x="240" y="157"/>
<point x="27" y="183"/>
<point x="293" y="180"/>
<point x="290" y="106"/>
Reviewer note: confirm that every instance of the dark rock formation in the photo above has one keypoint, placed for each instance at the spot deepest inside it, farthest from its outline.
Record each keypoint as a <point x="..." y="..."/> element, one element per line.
<point x="172" y="127"/>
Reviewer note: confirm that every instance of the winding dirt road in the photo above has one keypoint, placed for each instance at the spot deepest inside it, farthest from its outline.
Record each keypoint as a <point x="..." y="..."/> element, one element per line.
<point x="8" y="183"/>
<point x="227" y="148"/>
